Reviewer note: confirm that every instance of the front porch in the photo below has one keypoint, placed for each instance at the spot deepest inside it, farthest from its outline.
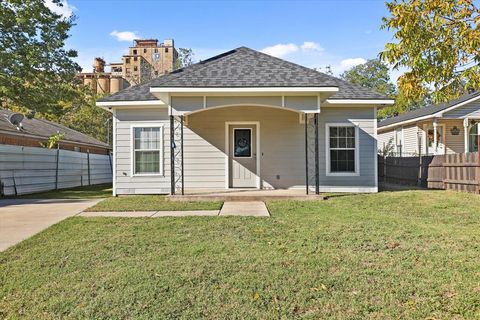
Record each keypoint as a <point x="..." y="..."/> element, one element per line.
<point x="245" y="195"/>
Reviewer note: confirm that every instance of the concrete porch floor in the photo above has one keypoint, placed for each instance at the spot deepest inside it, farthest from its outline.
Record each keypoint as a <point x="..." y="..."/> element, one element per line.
<point x="244" y="195"/>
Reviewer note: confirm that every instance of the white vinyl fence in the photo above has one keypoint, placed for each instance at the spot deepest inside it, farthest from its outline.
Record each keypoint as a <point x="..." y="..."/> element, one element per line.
<point x="26" y="170"/>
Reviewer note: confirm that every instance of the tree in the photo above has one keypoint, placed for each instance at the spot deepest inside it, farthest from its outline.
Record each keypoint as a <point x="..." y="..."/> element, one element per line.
<point x="36" y="71"/>
<point x="185" y="57"/>
<point x="83" y="115"/>
<point x="438" y="42"/>
<point x="373" y="74"/>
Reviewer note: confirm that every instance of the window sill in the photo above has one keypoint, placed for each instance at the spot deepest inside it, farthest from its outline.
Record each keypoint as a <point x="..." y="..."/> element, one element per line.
<point x="147" y="175"/>
<point x="342" y="174"/>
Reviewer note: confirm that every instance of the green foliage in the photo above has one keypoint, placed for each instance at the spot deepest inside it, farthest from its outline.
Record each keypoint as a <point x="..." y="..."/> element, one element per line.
<point x="83" y="115"/>
<point x="185" y="57"/>
<point x="373" y="74"/>
<point x="36" y="71"/>
<point x="53" y="140"/>
<point x="438" y="42"/>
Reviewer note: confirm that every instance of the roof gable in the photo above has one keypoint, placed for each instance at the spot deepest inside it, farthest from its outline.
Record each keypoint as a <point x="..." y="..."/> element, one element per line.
<point x="244" y="67"/>
<point x="429" y="110"/>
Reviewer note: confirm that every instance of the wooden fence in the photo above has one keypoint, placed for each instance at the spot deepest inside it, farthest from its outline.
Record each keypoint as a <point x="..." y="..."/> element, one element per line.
<point x="459" y="172"/>
<point x="25" y="170"/>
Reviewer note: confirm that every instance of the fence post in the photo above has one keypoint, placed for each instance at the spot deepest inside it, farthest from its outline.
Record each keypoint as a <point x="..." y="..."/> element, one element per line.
<point x="56" y="168"/>
<point x="420" y="170"/>
<point x="88" y="165"/>
<point x="384" y="168"/>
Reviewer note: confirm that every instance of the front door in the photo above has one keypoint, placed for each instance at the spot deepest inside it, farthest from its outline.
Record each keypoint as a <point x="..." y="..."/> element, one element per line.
<point x="440" y="147"/>
<point x="242" y="156"/>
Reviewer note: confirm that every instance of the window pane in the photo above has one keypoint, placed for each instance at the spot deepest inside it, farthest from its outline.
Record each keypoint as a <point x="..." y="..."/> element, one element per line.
<point x="333" y="132"/>
<point x="147" y="162"/>
<point x="242" y="147"/>
<point x="342" y="131"/>
<point x="147" y="138"/>
<point x="350" y="132"/>
<point x="342" y="142"/>
<point x="333" y="143"/>
<point x="350" y="142"/>
<point x="342" y="160"/>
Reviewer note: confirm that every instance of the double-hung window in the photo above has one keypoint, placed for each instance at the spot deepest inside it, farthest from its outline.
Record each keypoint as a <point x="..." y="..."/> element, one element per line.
<point x="147" y="150"/>
<point x="342" y="149"/>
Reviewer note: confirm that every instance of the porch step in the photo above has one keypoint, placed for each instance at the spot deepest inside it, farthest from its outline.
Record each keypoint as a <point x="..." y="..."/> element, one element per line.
<point x="237" y="197"/>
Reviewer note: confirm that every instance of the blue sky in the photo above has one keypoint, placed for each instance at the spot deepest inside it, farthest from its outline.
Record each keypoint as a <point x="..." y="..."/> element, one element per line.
<point x="311" y="33"/>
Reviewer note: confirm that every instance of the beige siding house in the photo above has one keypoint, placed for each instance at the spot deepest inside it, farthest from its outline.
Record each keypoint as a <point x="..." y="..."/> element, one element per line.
<point x="445" y="128"/>
<point x="244" y="120"/>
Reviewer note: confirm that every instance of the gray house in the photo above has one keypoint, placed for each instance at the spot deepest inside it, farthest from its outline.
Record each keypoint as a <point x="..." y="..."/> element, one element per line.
<point x="244" y="119"/>
<point x="444" y="128"/>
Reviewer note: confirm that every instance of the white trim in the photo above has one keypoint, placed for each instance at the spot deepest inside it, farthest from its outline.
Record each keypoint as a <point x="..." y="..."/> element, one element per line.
<point x="434" y="115"/>
<point x="360" y="101"/>
<point x="178" y="113"/>
<point x="242" y="89"/>
<point x="114" y="153"/>
<point x="227" y="150"/>
<point x="130" y="103"/>
<point x="348" y="189"/>
<point x="375" y="143"/>
<point x="328" y="172"/>
<point x="427" y="126"/>
<point x="161" y="151"/>
<point x="466" y="134"/>
<point x="395" y="139"/>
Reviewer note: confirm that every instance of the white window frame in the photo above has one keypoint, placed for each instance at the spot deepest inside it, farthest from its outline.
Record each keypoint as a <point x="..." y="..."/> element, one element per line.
<point x="327" y="148"/>
<point x="161" y="150"/>
<point x="402" y="134"/>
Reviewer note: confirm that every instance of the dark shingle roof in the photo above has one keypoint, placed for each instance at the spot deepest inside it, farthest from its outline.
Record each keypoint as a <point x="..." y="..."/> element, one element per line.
<point x="244" y="67"/>
<point x="426" y="111"/>
<point x="44" y="129"/>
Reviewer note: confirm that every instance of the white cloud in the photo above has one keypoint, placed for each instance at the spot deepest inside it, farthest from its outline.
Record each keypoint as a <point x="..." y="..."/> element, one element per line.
<point x="281" y="50"/>
<point x="124" y="35"/>
<point x="351" y="62"/>
<point x="63" y="8"/>
<point x="310" y="46"/>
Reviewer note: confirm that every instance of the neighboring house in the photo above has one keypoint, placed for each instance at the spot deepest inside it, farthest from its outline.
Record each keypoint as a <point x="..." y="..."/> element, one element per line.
<point x="241" y="115"/>
<point x="444" y="128"/>
<point x="35" y="132"/>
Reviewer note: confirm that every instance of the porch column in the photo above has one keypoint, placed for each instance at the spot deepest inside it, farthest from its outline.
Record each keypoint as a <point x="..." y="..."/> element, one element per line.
<point x="435" y="142"/>
<point x="465" y="134"/>
<point x="172" y="155"/>
<point x="317" y="172"/>
<point x="306" y="152"/>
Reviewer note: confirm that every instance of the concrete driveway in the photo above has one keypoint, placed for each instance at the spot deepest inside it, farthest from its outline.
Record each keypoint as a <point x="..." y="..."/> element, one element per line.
<point x="22" y="218"/>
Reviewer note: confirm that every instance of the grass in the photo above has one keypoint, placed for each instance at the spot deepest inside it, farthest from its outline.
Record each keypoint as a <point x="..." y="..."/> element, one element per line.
<point x="392" y="255"/>
<point x="86" y="192"/>
<point x="151" y="203"/>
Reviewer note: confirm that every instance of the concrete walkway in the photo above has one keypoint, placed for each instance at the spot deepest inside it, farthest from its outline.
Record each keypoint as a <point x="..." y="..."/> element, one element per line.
<point x="22" y="218"/>
<point x="230" y="208"/>
<point x="244" y="208"/>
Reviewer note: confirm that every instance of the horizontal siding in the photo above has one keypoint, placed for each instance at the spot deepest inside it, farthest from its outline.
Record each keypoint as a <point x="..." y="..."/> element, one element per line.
<point x="281" y="141"/>
<point x="410" y="136"/>
<point x="126" y="183"/>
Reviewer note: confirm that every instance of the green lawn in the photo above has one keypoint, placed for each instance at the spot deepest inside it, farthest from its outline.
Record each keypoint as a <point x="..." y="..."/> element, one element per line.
<point x="151" y="203"/>
<point x="392" y="255"/>
<point x="85" y="192"/>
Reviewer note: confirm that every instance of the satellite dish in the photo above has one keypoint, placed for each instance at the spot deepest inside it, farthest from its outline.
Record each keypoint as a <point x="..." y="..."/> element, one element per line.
<point x="16" y="120"/>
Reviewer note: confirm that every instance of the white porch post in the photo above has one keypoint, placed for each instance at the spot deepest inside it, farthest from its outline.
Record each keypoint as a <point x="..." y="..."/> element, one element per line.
<point x="465" y="130"/>
<point x="435" y="142"/>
